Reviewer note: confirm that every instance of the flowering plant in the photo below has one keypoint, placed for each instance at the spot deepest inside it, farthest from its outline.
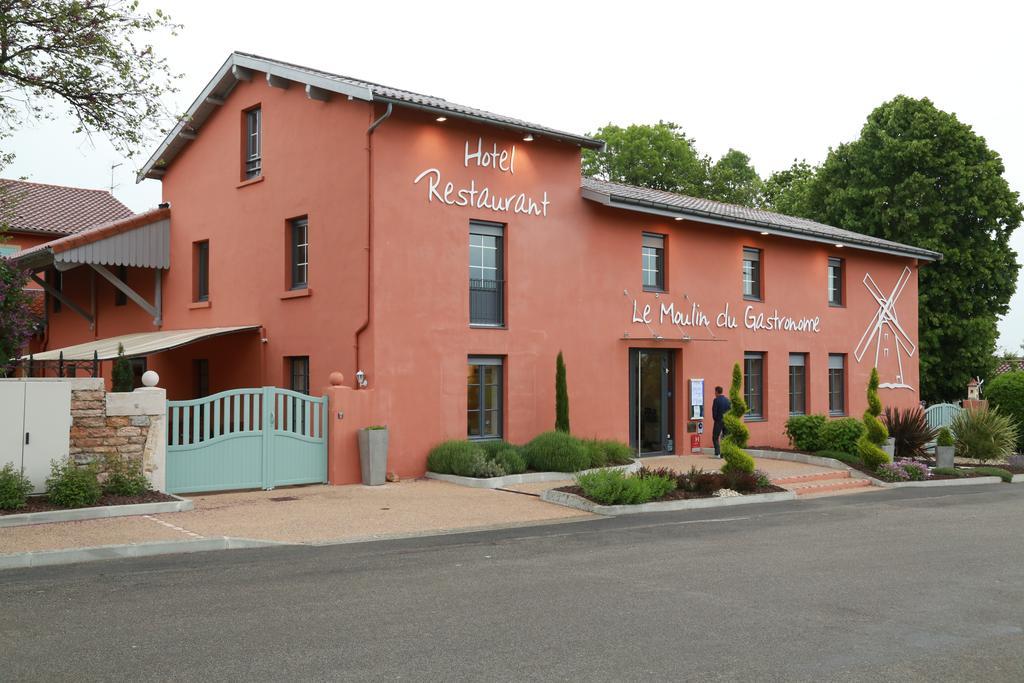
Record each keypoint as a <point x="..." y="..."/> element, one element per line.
<point x="914" y="470"/>
<point x="18" y="321"/>
<point x="891" y="471"/>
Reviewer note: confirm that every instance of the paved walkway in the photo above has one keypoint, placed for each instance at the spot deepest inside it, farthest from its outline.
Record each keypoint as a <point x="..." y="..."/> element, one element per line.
<point x="321" y="514"/>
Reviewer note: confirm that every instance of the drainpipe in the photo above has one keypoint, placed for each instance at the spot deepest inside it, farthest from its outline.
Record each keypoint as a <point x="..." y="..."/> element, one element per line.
<point x="369" y="228"/>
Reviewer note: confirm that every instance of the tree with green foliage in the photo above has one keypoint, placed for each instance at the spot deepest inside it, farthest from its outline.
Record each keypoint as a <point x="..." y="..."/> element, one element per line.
<point x="788" y="191"/>
<point x="920" y="176"/>
<point x="18" y="319"/>
<point x="1006" y="392"/>
<point x="658" y="156"/>
<point x="561" y="396"/>
<point x="92" y="56"/>
<point x="736" y="432"/>
<point x="123" y="378"/>
<point x="733" y="180"/>
<point x="868" y="445"/>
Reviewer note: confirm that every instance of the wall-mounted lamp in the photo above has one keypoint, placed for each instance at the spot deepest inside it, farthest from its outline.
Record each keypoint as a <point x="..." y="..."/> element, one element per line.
<point x="679" y="218"/>
<point x="361" y="379"/>
<point x="528" y="137"/>
<point x="765" y="232"/>
<point x="441" y="119"/>
<point x="838" y="246"/>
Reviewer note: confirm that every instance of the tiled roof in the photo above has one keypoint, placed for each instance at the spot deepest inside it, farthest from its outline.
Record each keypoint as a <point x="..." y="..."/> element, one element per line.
<point x="1008" y="365"/>
<point x="640" y="198"/>
<point x="241" y="65"/>
<point x="56" y="209"/>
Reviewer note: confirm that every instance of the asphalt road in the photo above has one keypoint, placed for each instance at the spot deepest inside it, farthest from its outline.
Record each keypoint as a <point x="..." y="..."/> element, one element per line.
<point x="896" y="585"/>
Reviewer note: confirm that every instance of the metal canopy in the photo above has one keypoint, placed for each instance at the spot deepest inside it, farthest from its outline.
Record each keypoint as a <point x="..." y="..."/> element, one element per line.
<point x="138" y="344"/>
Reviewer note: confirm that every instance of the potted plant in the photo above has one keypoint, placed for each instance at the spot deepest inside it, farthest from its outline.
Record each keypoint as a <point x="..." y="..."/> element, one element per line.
<point x="944" y="448"/>
<point x="373" y="454"/>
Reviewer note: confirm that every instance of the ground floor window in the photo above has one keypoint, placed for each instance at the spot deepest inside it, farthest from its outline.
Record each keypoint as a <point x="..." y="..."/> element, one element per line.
<point x="483" y="400"/>
<point x="298" y="373"/>
<point x="797" y="383"/>
<point x="753" y="384"/>
<point x="837" y="384"/>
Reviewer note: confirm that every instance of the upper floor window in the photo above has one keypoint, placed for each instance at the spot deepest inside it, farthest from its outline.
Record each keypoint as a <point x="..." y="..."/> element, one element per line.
<point x="486" y="274"/>
<point x="201" y="270"/>
<point x="654" y="262"/>
<point x="753" y="384"/>
<point x="253" y="143"/>
<point x="299" y="253"/>
<point x="835" y="281"/>
<point x="837" y="384"/>
<point x="751" y="273"/>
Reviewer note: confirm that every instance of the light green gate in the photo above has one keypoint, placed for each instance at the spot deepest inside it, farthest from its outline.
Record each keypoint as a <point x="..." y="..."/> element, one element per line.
<point x="246" y="439"/>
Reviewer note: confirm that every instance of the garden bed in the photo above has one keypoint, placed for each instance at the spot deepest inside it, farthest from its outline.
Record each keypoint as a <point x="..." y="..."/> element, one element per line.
<point x="569" y="496"/>
<point x="524" y="478"/>
<point x="38" y="510"/>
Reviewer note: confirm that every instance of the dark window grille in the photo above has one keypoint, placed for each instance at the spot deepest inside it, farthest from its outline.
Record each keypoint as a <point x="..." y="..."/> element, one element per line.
<point x="485" y="415"/>
<point x="751" y="273"/>
<point x="486" y="274"/>
<point x="753" y="384"/>
<point x="300" y="254"/>
<point x="837" y="384"/>
<point x="835" y="281"/>
<point x="253" y="143"/>
<point x="797" y="384"/>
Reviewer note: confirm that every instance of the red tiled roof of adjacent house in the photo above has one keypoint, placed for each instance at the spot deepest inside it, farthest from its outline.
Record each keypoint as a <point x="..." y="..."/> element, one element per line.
<point x="56" y="209"/>
<point x="1008" y="365"/>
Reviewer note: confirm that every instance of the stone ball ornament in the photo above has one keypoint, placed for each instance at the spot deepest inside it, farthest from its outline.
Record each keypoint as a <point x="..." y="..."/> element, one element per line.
<point x="150" y="379"/>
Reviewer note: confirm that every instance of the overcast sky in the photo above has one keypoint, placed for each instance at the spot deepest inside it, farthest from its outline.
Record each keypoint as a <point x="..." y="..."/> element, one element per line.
<point x="777" y="80"/>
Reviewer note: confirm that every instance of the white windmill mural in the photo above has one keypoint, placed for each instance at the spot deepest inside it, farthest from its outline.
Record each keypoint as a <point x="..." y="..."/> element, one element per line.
<point x="886" y="335"/>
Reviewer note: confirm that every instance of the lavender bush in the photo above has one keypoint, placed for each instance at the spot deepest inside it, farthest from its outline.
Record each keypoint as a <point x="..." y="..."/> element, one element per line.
<point x="891" y="471"/>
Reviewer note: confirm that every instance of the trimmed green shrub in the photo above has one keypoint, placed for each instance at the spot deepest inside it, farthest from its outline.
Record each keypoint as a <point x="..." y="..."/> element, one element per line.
<point x="842" y="434"/>
<point x="72" y="486"/>
<point x="876" y="430"/>
<point x="944" y="438"/>
<point x="455" y="457"/>
<point x="804" y="431"/>
<point x="612" y="487"/>
<point x="735" y="430"/>
<point x="123" y="378"/>
<point x="616" y="452"/>
<point x="841" y="456"/>
<point x="948" y="471"/>
<point x="124" y="477"/>
<point x="484" y="468"/>
<point x="595" y="453"/>
<point x="556" y="452"/>
<point x="505" y="455"/>
<point x="1006" y="392"/>
<point x="736" y="459"/>
<point x="871" y="455"/>
<point x="561" y="396"/>
<point x="14" y="488"/>
<point x="910" y="430"/>
<point x="984" y="434"/>
<point x="1005" y="475"/>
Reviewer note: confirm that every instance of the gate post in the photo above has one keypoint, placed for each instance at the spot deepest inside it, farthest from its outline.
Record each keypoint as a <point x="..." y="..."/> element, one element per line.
<point x="269" y="423"/>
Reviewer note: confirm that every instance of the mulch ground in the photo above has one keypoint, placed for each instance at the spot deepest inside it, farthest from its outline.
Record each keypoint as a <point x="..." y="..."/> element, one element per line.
<point x="41" y="504"/>
<point x="677" y="494"/>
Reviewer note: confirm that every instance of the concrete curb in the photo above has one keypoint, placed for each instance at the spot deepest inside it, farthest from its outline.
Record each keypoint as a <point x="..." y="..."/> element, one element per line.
<point x="44" y="558"/>
<point x="527" y="478"/>
<point x="965" y="481"/>
<point x="1017" y="479"/>
<point x="105" y="512"/>
<point x="580" y="503"/>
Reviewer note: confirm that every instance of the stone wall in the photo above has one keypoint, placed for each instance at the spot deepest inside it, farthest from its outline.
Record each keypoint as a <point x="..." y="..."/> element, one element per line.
<point x="123" y="425"/>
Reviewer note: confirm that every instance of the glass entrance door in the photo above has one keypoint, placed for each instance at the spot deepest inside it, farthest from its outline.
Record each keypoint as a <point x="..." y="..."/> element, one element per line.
<point x="651" y="402"/>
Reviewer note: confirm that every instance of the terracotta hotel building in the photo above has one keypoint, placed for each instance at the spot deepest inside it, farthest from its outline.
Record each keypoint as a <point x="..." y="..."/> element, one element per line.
<point x="441" y="256"/>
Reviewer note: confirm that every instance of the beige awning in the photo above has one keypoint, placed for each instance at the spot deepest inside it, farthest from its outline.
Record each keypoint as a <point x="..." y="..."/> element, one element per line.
<point x="139" y="344"/>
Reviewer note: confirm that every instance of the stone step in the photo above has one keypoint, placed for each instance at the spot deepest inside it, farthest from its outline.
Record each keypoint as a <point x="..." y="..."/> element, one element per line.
<point x="828" y="486"/>
<point x="814" y="476"/>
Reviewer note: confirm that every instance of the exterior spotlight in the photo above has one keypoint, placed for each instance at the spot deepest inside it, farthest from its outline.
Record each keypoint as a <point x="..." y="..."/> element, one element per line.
<point x="839" y="246"/>
<point x="679" y="218"/>
<point x="528" y="137"/>
<point x="765" y="232"/>
<point x="441" y="119"/>
<point x="361" y="379"/>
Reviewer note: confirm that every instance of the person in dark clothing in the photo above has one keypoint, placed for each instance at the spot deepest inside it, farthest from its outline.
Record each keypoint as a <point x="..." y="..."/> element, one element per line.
<point x="719" y="407"/>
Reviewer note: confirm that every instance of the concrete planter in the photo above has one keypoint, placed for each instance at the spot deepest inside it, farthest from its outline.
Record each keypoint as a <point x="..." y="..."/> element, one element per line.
<point x="944" y="456"/>
<point x="890" y="448"/>
<point x="78" y="514"/>
<point x="526" y="478"/>
<point x="373" y="456"/>
<point x="580" y="503"/>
